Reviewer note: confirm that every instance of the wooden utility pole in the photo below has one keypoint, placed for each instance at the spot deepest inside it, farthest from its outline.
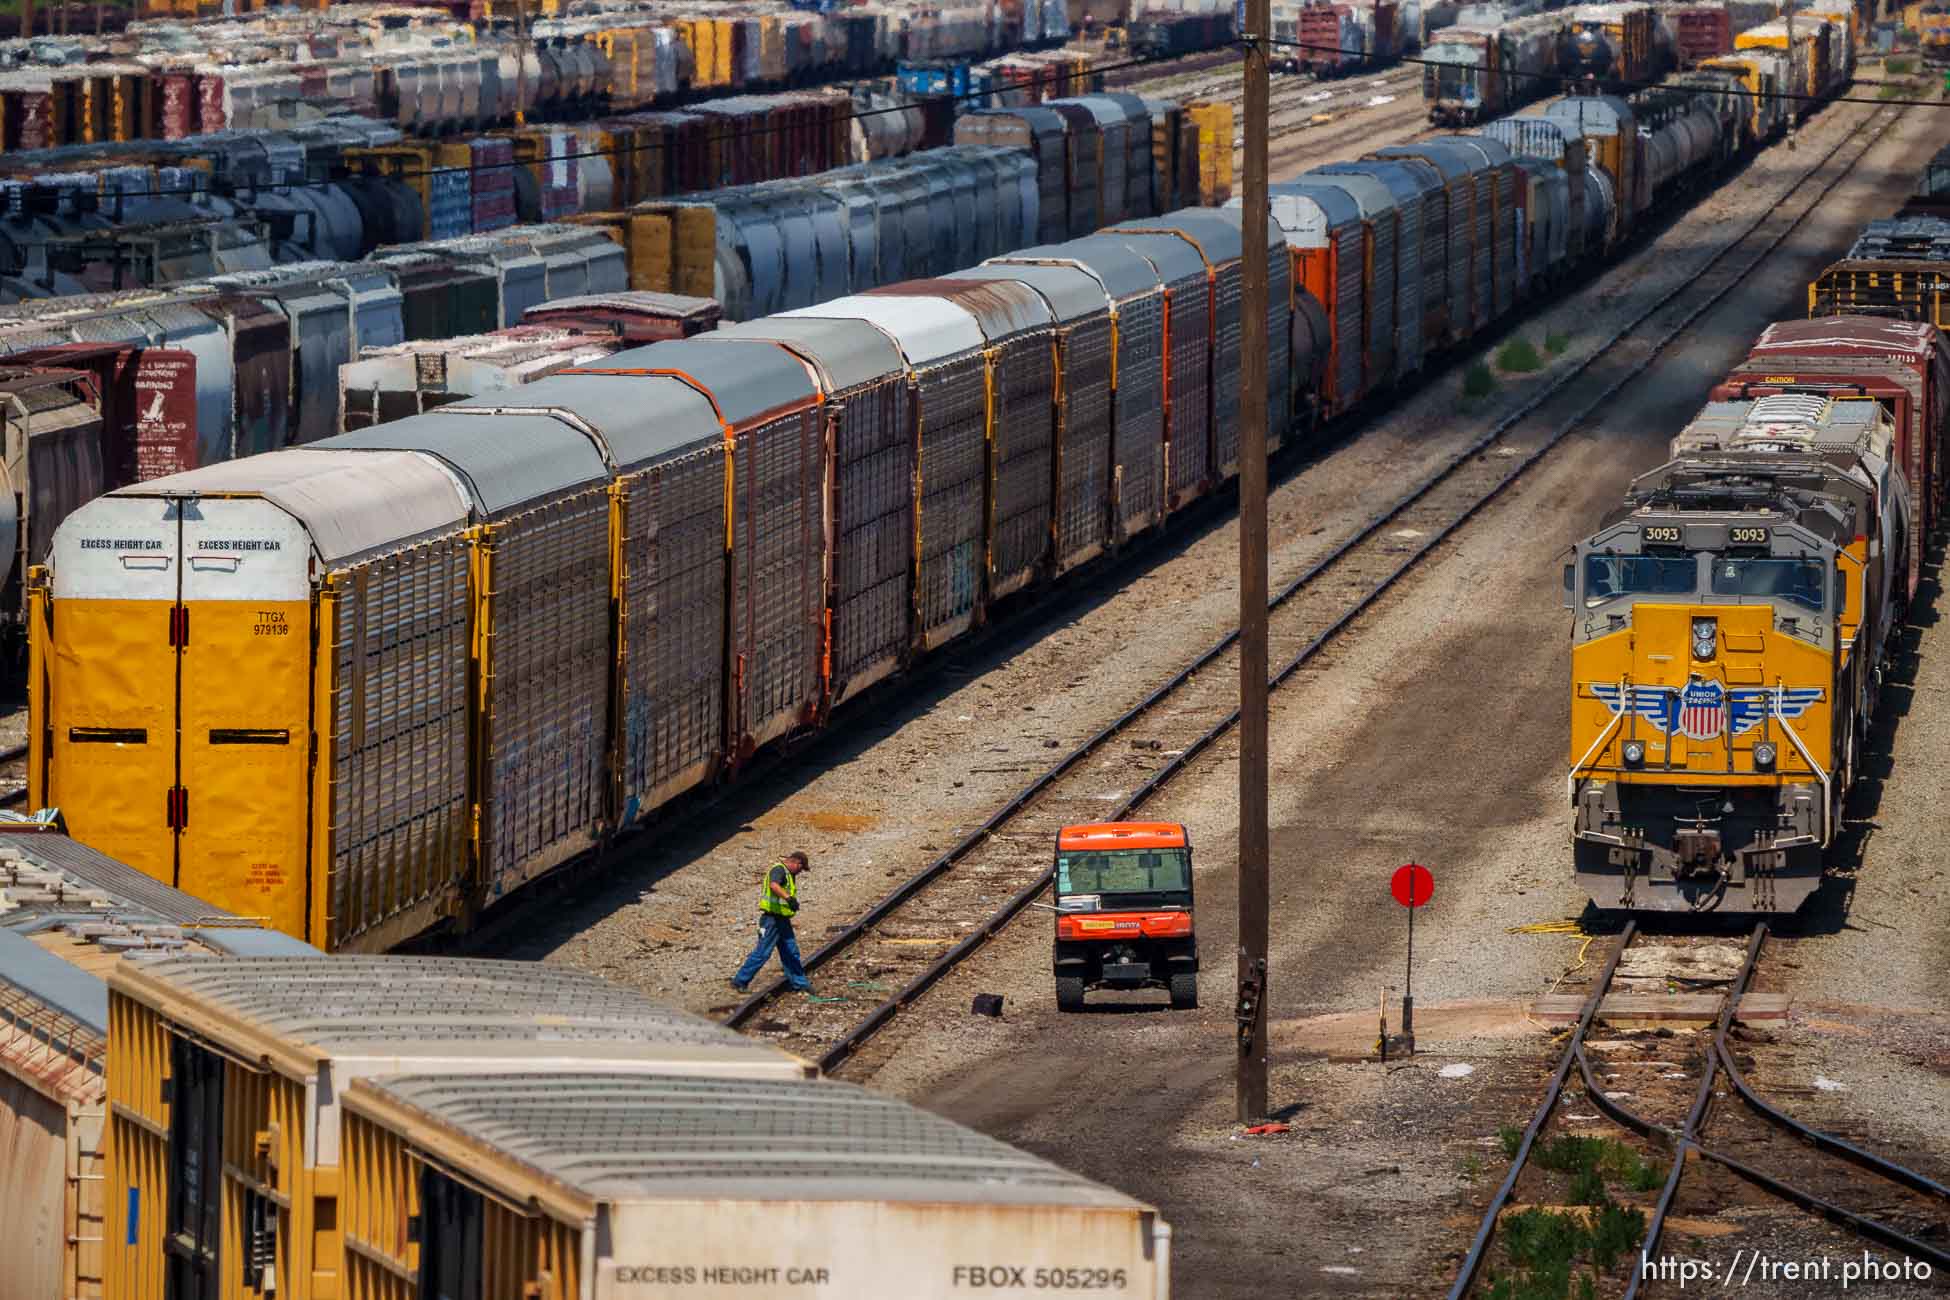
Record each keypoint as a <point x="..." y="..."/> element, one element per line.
<point x="1255" y="884"/>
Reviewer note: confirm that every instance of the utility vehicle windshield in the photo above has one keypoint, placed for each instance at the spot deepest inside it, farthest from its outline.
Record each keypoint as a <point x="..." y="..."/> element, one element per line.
<point x="1124" y="871"/>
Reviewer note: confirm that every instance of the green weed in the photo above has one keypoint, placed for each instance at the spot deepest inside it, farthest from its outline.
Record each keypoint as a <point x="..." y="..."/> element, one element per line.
<point x="1588" y="1187"/>
<point x="1540" y="1241"/>
<point x="1518" y="357"/>
<point x="1512" y="1137"/>
<point x="1555" y="343"/>
<point x="1617" y="1233"/>
<point x="1478" y="381"/>
<point x="1899" y="67"/>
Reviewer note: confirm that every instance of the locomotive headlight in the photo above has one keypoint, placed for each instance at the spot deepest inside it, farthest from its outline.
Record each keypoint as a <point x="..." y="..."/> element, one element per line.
<point x="1634" y="753"/>
<point x="1706" y="636"/>
<point x="1764" y="756"/>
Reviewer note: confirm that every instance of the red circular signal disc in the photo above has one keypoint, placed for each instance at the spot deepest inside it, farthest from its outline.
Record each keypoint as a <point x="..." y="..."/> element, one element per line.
<point x="1412" y="885"/>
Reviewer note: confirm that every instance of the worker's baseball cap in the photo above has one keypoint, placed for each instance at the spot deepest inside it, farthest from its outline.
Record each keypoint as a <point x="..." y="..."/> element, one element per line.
<point x="805" y="863"/>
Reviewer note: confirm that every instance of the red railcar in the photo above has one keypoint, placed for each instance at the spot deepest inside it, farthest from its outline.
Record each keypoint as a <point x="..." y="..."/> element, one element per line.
<point x="1903" y="364"/>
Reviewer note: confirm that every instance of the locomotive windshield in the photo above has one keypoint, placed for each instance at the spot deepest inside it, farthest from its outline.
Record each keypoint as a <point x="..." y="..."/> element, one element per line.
<point x="1453" y="81"/>
<point x="1796" y="580"/>
<point x="1607" y="577"/>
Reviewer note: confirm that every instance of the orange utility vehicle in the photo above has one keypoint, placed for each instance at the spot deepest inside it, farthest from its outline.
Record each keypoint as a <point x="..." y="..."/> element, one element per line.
<point x="1124" y="911"/>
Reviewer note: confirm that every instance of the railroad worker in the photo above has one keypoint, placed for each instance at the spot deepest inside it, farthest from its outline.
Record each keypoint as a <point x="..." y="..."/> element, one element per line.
<point x="778" y="903"/>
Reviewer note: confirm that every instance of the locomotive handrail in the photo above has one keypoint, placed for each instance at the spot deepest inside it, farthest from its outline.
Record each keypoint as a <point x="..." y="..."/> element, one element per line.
<point x="1618" y="718"/>
<point x="1774" y="707"/>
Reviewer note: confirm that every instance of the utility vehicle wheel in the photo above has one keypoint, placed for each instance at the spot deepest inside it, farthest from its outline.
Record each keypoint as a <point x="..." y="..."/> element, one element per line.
<point x="1069" y="992"/>
<point x="1184" y="992"/>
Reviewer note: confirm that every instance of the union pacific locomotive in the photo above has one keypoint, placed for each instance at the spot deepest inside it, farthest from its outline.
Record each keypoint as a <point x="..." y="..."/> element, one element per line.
<point x="1731" y="621"/>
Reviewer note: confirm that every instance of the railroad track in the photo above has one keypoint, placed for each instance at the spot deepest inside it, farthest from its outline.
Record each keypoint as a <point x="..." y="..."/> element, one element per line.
<point x="1913" y="1197"/>
<point x="938" y="917"/>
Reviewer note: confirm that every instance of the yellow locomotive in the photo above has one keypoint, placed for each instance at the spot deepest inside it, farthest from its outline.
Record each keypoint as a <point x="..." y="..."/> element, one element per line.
<point x="1730" y="623"/>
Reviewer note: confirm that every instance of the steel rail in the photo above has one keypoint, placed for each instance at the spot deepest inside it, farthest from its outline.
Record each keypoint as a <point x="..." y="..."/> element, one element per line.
<point x="1687" y="1141"/>
<point x="854" y="932"/>
<point x="1686" y="1138"/>
<point x="1861" y="1224"/>
<point x="1485" y="1231"/>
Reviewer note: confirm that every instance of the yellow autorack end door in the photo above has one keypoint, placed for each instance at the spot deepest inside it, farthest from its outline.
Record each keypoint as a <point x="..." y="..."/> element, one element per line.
<point x="246" y="709"/>
<point x="112" y="679"/>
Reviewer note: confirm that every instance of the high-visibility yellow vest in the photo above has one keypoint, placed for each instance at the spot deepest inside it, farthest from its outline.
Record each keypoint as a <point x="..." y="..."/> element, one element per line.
<point x="771" y="902"/>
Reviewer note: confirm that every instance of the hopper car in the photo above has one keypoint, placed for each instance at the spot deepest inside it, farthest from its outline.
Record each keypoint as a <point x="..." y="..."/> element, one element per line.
<point x="562" y="606"/>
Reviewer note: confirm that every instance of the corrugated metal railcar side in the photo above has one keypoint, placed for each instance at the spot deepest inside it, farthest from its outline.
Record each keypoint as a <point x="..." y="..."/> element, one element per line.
<point x="1188" y="361"/>
<point x="667" y="570"/>
<point x="768" y="407"/>
<point x="942" y="346"/>
<point x="540" y="488"/>
<point x="870" y="518"/>
<point x="1138" y="373"/>
<point x="1018" y="333"/>
<point x="1325" y="242"/>
<point x="1082" y="393"/>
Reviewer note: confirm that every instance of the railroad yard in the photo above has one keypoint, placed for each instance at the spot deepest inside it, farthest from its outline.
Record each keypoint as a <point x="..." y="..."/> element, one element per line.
<point x="843" y="459"/>
<point x="1455" y="668"/>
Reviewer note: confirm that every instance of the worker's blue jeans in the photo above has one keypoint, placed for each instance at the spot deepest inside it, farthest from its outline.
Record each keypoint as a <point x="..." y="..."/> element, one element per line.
<point x="775" y="932"/>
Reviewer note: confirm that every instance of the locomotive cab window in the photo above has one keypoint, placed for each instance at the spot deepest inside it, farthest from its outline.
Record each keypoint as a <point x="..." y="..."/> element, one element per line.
<point x="1608" y="577"/>
<point x="1799" y="581"/>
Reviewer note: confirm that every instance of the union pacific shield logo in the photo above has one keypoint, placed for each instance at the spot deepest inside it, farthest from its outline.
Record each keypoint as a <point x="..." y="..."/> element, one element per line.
<point x="1702" y="710"/>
